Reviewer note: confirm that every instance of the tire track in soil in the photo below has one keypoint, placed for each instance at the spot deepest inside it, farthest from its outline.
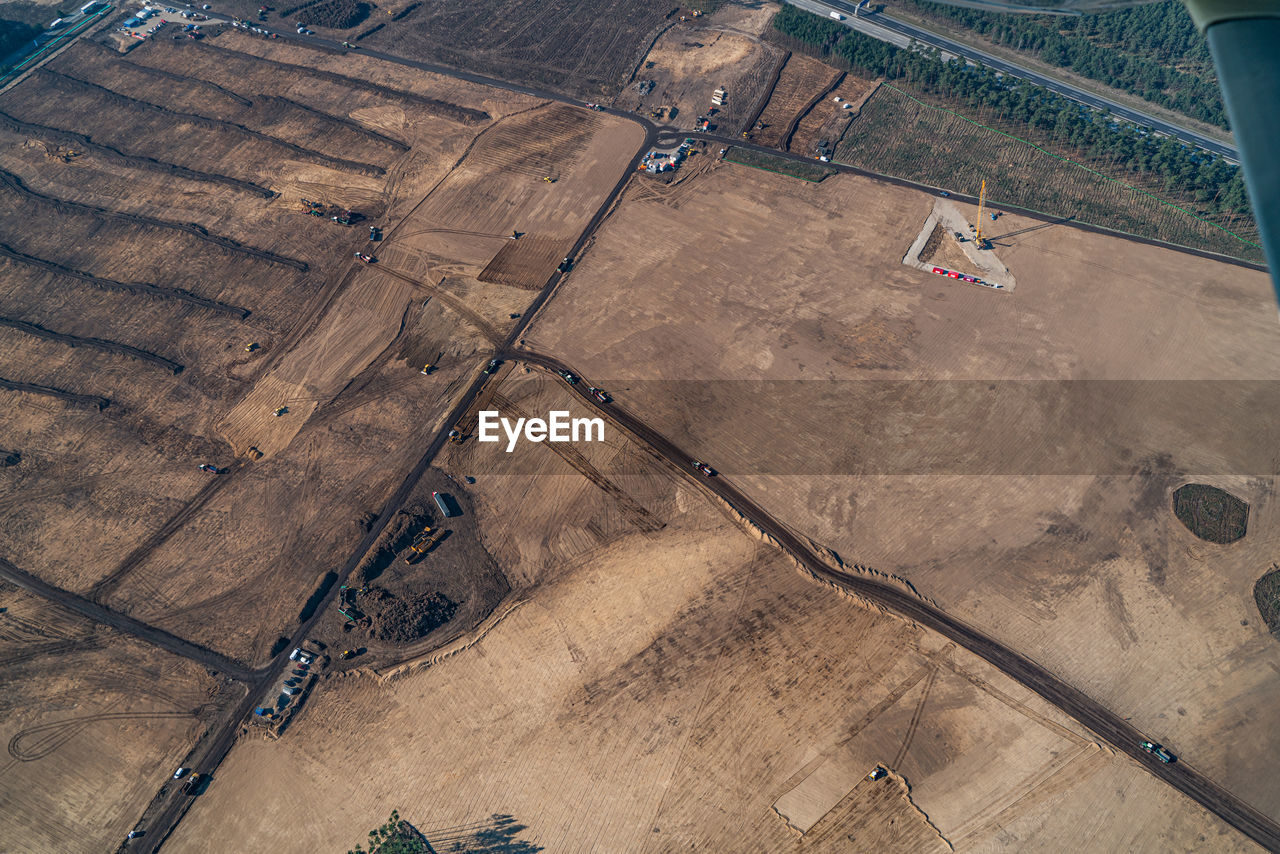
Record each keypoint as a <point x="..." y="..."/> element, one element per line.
<point x="350" y="125"/>
<point x="67" y="82"/>
<point x="465" y="115"/>
<point x="639" y="513"/>
<point x="114" y="58"/>
<point x="137" y="161"/>
<point x="450" y="300"/>
<point x="107" y="585"/>
<point x="49" y="737"/>
<point x="128" y="287"/>
<point x="17" y="185"/>
<point x="915" y="721"/>
<point x="98" y="403"/>
<point x="38" y="331"/>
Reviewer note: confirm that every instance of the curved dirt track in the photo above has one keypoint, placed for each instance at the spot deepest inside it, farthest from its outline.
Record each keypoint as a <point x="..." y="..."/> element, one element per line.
<point x="1106" y="724"/>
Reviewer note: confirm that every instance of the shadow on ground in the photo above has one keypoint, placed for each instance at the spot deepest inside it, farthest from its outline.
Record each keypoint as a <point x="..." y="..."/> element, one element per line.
<point x="495" y="835"/>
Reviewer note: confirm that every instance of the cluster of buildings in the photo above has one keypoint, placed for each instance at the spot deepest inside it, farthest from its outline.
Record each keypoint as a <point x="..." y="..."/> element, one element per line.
<point x="665" y="161"/>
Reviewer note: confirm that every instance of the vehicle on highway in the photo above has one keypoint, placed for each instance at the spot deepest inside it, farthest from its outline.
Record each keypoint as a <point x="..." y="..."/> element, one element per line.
<point x="180" y="773"/>
<point x="706" y="470"/>
<point x="568" y="377"/>
<point x="1159" y="752"/>
<point x="944" y="194"/>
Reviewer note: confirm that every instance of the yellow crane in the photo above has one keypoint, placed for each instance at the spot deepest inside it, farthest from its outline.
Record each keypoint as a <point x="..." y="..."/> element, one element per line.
<point x="982" y="198"/>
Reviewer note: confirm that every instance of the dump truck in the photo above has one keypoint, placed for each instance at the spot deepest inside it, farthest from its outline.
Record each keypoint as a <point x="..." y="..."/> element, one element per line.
<point x="1159" y="752"/>
<point x="423" y="543"/>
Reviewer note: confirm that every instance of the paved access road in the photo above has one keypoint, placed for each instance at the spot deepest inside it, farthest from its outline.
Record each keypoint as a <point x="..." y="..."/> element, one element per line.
<point x="1103" y="722"/>
<point x="903" y="29"/>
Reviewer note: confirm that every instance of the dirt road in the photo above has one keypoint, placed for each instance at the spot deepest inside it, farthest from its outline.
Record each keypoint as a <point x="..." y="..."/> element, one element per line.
<point x="128" y="625"/>
<point x="1106" y="724"/>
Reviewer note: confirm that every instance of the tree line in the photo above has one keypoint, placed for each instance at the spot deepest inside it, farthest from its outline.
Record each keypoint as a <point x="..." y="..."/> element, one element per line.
<point x="1152" y="51"/>
<point x="1214" y="184"/>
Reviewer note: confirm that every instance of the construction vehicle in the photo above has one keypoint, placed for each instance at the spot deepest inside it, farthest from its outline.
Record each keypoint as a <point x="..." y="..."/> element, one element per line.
<point x="877" y="772"/>
<point x="347" y="653"/>
<point x="427" y="369"/>
<point x="599" y="394"/>
<point x="281" y="411"/>
<point x="375" y="234"/>
<point x="703" y="467"/>
<point x="212" y="469"/>
<point x="251" y="346"/>
<point x="423" y="543"/>
<point x="566" y="265"/>
<point x="368" y="259"/>
<point x="57" y="152"/>
<point x="1158" y="752"/>
<point x="456" y="437"/>
<point x="493" y="365"/>
<point x="568" y="377"/>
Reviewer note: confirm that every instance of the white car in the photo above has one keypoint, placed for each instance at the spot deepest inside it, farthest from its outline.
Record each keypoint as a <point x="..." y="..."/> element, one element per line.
<point x="180" y="773"/>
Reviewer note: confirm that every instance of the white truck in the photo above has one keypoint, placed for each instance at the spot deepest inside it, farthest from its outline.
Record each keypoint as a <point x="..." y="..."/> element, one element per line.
<point x="837" y="16"/>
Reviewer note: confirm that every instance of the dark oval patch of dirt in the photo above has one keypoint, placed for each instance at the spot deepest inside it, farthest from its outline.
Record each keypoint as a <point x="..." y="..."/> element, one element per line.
<point x="1212" y="514"/>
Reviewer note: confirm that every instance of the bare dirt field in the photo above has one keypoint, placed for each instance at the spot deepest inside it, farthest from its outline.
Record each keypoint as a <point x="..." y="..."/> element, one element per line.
<point x="1036" y="503"/>
<point x="94" y="723"/>
<point x="802" y="81"/>
<point x="166" y="293"/>
<point x="688" y="63"/>
<point x="587" y="50"/>
<point x="659" y="680"/>
<point x="828" y="120"/>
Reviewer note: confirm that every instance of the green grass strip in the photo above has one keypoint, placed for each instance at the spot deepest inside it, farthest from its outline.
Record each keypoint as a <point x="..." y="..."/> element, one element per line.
<point x="826" y="173"/>
<point x="1074" y="163"/>
<point x="53" y="45"/>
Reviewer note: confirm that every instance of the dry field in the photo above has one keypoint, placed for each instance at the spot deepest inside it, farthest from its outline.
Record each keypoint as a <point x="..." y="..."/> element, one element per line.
<point x="947" y="433"/>
<point x="802" y="81"/>
<point x="153" y="227"/>
<point x="94" y="722"/>
<point x="586" y="49"/>
<point x="659" y="680"/>
<point x="828" y="119"/>
<point x="688" y="63"/>
<point x="897" y="135"/>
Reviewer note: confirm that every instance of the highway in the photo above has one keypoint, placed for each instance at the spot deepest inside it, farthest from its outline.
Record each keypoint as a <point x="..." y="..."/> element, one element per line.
<point x="904" y="30"/>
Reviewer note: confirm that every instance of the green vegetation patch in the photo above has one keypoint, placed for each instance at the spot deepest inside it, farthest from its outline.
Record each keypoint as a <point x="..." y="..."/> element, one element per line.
<point x="900" y="135"/>
<point x="13" y="35"/>
<point x="395" y="837"/>
<point x="1152" y="51"/>
<point x="801" y="169"/>
<point x="1267" y="594"/>
<point x="1210" y="513"/>
<point x="950" y="124"/>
